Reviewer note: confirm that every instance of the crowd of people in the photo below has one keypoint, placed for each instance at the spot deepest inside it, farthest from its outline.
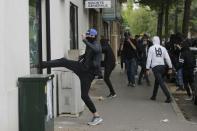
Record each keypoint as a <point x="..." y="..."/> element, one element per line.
<point x="183" y="61"/>
<point x="139" y="51"/>
<point x="146" y="53"/>
<point x="174" y="55"/>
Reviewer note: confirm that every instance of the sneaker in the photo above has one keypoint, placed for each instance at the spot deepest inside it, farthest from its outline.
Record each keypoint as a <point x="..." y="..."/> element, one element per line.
<point x="153" y="98"/>
<point x="95" y="121"/>
<point x="111" y="95"/>
<point x="132" y="85"/>
<point x="188" y="98"/>
<point x="168" y="100"/>
<point x="129" y="84"/>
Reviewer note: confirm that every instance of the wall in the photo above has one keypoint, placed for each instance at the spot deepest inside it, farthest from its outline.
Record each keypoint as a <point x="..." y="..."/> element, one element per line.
<point x="60" y="25"/>
<point x="14" y="58"/>
<point x="60" y="30"/>
<point x="14" y="48"/>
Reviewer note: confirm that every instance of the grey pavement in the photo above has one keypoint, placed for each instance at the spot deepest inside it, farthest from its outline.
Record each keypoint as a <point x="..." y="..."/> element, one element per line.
<point x="131" y="110"/>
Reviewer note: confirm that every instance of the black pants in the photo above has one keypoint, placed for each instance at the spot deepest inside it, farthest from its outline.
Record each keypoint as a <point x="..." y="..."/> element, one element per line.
<point x="86" y="77"/>
<point x="159" y="73"/>
<point x="143" y="72"/>
<point x="121" y="62"/>
<point x="188" y="80"/>
<point x="107" y="72"/>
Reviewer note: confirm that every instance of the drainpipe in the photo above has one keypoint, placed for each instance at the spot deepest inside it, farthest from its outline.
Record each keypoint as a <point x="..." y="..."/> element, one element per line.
<point x="48" y="34"/>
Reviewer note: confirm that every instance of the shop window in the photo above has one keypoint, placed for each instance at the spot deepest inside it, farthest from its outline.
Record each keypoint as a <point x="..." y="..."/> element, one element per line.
<point x="73" y="26"/>
<point x="34" y="34"/>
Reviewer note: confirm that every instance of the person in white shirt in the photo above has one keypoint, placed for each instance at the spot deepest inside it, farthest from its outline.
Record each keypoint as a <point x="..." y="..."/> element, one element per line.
<point x="157" y="59"/>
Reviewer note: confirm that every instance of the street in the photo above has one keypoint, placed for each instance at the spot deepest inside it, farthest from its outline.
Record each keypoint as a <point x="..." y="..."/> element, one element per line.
<point x="131" y="110"/>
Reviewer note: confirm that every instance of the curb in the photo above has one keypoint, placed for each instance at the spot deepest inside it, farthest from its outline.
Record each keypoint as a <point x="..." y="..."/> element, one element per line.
<point x="177" y="110"/>
<point x="175" y="106"/>
<point x="179" y="113"/>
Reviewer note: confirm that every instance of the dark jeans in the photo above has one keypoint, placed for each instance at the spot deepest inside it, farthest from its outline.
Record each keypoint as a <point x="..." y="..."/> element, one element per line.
<point x="159" y="73"/>
<point x="86" y="77"/>
<point x="131" y="70"/>
<point x="188" y="80"/>
<point x="179" y="77"/>
<point x="107" y="72"/>
<point x="143" y="73"/>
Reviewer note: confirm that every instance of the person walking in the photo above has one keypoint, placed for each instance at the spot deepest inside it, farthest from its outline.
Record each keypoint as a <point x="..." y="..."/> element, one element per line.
<point x="174" y="49"/>
<point x="157" y="57"/>
<point x="86" y="69"/>
<point x="143" y="47"/>
<point x="108" y="64"/>
<point x="179" y="69"/>
<point x="188" y="62"/>
<point x="130" y="55"/>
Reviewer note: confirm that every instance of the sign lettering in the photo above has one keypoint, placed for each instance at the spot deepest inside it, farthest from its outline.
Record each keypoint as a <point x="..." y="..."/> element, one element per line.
<point x="98" y="4"/>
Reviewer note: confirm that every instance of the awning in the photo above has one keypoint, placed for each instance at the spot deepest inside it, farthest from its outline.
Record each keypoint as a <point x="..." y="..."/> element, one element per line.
<point x="97" y="3"/>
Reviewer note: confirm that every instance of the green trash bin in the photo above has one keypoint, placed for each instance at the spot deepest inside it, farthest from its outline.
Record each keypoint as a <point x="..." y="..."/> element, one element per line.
<point x="36" y="103"/>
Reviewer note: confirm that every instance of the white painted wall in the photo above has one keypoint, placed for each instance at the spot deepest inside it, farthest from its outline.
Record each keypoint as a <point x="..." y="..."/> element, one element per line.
<point x="60" y="26"/>
<point x="14" y="58"/>
<point x="14" y="48"/>
<point x="60" y="30"/>
<point x="3" y="98"/>
<point x="44" y="52"/>
<point x="83" y="17"/>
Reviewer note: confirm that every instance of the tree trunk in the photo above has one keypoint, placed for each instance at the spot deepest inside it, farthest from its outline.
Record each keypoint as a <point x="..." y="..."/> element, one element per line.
<point x="166" y="19"/>
<point x="186" y="17"/>
<point x="176" y="17"/>
<point x="160" y="21"/>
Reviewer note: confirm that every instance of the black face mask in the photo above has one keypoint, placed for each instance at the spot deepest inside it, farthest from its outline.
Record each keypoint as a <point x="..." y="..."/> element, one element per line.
<point x="90" y="39"/>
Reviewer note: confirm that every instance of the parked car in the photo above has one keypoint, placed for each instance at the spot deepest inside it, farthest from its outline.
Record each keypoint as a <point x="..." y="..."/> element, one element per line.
<point x="194" y="50"/>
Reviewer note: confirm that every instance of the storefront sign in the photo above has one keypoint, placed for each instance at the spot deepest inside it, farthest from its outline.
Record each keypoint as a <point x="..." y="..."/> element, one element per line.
<point x="98" y="4"/>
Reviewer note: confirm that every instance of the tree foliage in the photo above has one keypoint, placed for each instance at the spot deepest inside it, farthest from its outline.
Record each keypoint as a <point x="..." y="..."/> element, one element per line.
<point x="140" y="20"/>
<point x="194" y="16"/>
<point x="173" y="11"/>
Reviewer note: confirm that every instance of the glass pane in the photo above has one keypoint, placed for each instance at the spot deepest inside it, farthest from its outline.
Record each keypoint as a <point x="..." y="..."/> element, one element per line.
<point x="33" y="35"/>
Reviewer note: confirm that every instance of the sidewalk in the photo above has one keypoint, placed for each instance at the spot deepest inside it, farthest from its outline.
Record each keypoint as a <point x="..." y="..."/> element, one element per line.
<point x="130" y="111"/>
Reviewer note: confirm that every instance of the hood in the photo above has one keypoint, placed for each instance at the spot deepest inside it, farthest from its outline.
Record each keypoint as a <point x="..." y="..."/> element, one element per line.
<point x="156" y="40"/>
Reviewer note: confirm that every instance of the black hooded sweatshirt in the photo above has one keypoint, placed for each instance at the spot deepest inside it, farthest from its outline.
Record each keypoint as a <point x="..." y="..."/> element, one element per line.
<point x="109" y="58"/>
<point x="187" y="59"/>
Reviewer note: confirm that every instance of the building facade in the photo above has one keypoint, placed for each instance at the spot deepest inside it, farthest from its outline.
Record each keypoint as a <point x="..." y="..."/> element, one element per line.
<point x="36" y="30"/>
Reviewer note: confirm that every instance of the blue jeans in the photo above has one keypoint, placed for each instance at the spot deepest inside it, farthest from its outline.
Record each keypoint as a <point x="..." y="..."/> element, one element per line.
<point x="131" y="69"/>
<point x="179" y="77"/>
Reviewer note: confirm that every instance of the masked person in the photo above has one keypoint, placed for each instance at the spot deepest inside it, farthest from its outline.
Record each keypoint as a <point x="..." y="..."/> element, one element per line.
<point x="179" y="68"/>
<point x="108" y="64"/>
<point x="143" y="47"/>
<point x="157" y="57"/>
<point x="86" y="68"/>
<point x="188" y="62"/>
<point x="130" y="54"/>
